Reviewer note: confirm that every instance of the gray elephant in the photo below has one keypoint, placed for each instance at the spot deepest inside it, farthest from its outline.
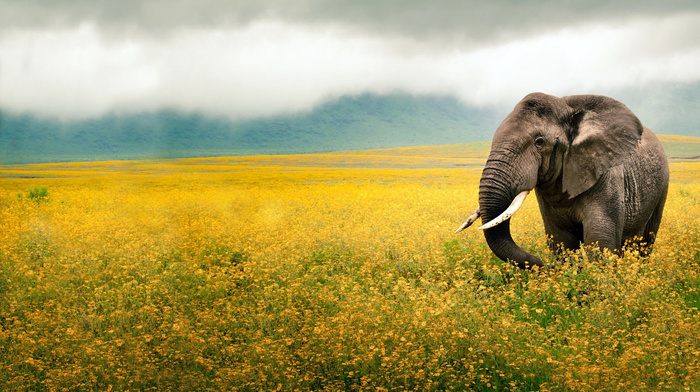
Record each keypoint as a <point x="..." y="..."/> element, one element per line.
<point x="600" y="177"/>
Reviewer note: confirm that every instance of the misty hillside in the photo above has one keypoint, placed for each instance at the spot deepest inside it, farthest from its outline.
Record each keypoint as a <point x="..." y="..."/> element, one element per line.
<point x="349" y="123"/>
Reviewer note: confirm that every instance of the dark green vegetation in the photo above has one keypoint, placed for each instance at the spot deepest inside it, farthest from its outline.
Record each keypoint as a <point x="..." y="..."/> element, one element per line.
<point x="350" y="123"/>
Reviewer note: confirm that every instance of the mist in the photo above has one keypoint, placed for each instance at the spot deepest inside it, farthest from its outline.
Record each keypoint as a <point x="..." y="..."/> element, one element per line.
<point x="255" y="60"/>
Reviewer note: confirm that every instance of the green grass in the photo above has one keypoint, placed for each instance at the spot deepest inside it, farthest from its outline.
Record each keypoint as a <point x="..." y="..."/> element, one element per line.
<point x="38" y="193"/>
<point x="681" y="146"/>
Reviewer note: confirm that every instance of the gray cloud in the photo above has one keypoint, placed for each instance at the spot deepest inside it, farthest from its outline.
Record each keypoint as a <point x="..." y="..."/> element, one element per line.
<point x="451" y="20"/>
<point x="251" y="58"/>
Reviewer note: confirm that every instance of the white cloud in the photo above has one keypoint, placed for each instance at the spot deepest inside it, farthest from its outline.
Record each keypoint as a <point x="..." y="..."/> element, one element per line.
<point x="587" y="59"/>
<point x="272" y="66"/>
<point x="72" y="73"/>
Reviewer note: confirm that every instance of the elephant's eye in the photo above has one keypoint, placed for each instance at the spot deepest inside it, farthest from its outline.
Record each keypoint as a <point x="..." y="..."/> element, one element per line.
<point x="539" y="142"/>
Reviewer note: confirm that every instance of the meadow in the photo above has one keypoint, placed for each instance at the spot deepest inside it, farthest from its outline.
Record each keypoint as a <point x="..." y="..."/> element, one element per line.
<point x="326" y="272"/>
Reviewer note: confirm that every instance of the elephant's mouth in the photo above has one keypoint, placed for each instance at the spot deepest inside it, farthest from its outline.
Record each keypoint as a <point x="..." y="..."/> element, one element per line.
<point x="504" y="216"/>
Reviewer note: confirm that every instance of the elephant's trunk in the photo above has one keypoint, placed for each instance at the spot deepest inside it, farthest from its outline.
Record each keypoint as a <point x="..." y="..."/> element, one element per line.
<point x="496" y="194"/>
<point x="503" y="246"/>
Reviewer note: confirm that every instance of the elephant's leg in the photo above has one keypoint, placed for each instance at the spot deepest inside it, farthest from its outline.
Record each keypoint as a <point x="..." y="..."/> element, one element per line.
<point x="563" y="239"/>
<point x="562" y="232"/>
<point x="651" y="228"/>
<point x="602" y="228"/>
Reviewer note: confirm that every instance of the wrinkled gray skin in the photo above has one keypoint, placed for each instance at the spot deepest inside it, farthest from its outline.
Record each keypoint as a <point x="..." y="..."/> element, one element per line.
<point x="600" y="177"/>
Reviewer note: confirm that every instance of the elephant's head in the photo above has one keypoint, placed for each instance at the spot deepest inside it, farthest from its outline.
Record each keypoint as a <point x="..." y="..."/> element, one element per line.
<point x="561" y="146"/>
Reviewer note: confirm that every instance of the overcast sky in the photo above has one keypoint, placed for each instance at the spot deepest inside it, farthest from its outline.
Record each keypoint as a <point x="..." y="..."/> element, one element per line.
<point x="246" y="58"/>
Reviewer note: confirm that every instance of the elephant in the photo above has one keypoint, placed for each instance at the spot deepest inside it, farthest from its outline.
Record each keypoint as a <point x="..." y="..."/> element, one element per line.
<point x="600" y="176"/>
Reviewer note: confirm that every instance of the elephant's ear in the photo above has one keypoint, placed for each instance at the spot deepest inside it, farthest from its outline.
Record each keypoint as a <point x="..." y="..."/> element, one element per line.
<point x="603" y="133"/>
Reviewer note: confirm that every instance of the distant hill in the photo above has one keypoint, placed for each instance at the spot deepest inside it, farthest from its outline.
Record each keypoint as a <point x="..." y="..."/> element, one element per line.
<point x="360" y="122"/>
<point x="348" y="123"/>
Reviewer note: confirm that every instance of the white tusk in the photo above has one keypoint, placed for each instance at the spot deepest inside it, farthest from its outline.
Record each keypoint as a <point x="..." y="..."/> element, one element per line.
<point x="505" y="215"/>
<point x="470" y="220"/>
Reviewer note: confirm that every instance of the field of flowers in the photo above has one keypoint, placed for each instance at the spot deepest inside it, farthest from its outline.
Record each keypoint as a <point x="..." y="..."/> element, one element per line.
<point x="325" y="272"/>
